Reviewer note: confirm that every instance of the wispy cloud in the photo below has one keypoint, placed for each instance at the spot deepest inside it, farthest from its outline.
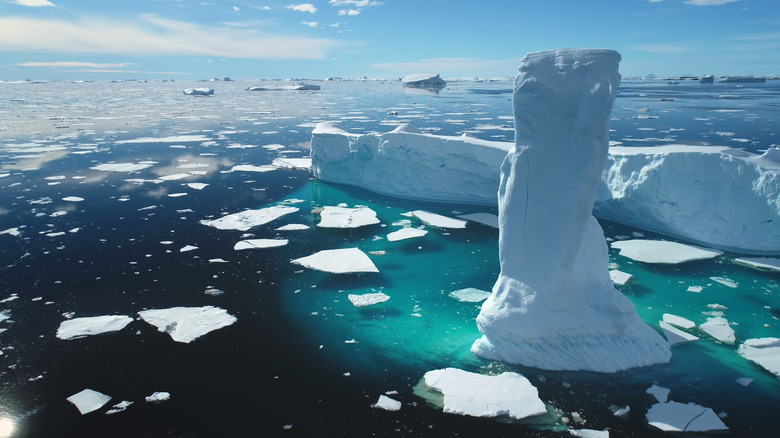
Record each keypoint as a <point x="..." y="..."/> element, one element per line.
<point x="349" y="12"/>
<point x="708" y="2"/>
<point x="33" y="3"/>
<point x="304" y="7"/>
<point x="311" y="24"/>
<point x="73" y="64"/>
<point x="154" y="35"/>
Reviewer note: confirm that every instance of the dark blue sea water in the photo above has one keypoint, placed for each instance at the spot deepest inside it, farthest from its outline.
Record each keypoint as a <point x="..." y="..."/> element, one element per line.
<point x="301" y="359"/>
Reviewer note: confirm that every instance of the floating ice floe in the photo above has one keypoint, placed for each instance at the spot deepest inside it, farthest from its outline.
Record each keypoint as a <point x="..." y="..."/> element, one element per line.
<point x="387" y="403"/>
<point x="292" y="163"/>
<point x="619" y="277"/>
<point x="252" y="168"/>
<point x="725" y="281"/>
<point x="679" y="417"/>
<point x="158" y="397"/>
<point x="367" y="299"/>
<point x="293" y="227"/>
<point x="72" y="199"/>
<point x="199" y="91"/>
<point x="694" y="289"/>
<point x="438" y="220"/>
<point x="338" y="261"/>
<point x="88" y="400"/>
<point x="11" y="231"/>
<point x="187" y="248"/>
<point x="93" y="325"/>
<point x="662" y="251"/>
<point x="119" y="407"/>
<point x="480" y="395"/>
<point x="247" y="219"/>
<point x="719" y="328"/>
<point x="765" y="263"/>
<point x="423" y="80"/>
<point x="300" y="86"/>
<point x="659" y="392"/>
<point x="197" y="186"/>
<point x="121" y="167"/>
<point x="406" y="233"/>
<point x="674" y="335"/>
<point x="488" y="219"/>
<point x="679" y="321"/>
<point x="189" y="138"/>
<point x="344" y="217"/>
<point x="764" y="352"/>
<point x="185" y="324"/>
<point x="259" y="243"/>
<point x="589" y="433"/>
<point x="470" y="295"/>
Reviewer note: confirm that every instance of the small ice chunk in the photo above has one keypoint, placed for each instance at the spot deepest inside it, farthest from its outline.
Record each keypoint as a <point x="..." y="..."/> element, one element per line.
<point x="470" y="295"/>
<point x="659" y="392"/>
<point x="725" y="281"/>
<point x="744" y="381"/>
<point x="121" y="167"/>
<point x="188" y="248"/>
<point x="678" y="417"/>
<point x="694" y="289"/>
<point x="218" y="260"/>
<point x="293" y="227"/>
<point x="185" y="324"/>
<point x="488" y="219"/>
<point x="765" y="263"/>
<point x="93" y="325"/>
<point x="158" y="397"/>
<point x="679" y="321"/>
<point x="661" y="251"/>
<point x="252" y="168"/>
<point x="72" y="199"/>
<point x="177" y="195"/>
<point x="387" y="403"/>
<point x="589" y="433"/>
<point x="406" y="233"/>
<point x="481" y="395"/>
<point x="259" y="243"/>
<point x="343" y="217"/>
<point x="438" y="220"/>
<point x="719" y="328"/>
<point x="88" y="400"/>
<point x="338" y="261"/>
<point x="119" y="407"/>
<point x="247" y="219"/>
<point x="674" y="335"/>
<point x="11" y="231"/>
<point x="367" y="299"/>
<point x="619" y="277"/>
<point x="197" y="186"/>
<point x="622" y="412"/>
<point x="764" y="352"/>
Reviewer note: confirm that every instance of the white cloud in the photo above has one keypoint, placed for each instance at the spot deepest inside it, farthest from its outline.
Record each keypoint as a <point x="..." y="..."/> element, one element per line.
<point x="154" y="35"/>
<point x="304" y="7"/>
<point x="33" y="3"/>
<point x="311" y="24"/>
<point x="73" y="64"/>
<point x="236" y="8"/>
<point x="349" y="12"/>
<point x="708" y="2"/>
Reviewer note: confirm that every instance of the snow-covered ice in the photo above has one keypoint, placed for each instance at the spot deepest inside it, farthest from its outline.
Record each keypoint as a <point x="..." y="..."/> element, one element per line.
<point x="718" y="327"/>
<point x="481" y="395"/>
<point x="344" y="217"/>
<point x="88" y="400"/>
<point x="157" y="397"/>
<point x="92" y="325"/>
<point x="119" y="407"/>
<point x="72" y="199"/>
<point x="293" y="227"/>
<point x="187" y="248"/>
<point x="370" y="299"/>
<point x="764" y="352"/>
<point x="259" y="243"/>
<point x="554" y="305"/>
<point x="406" y="233"/>
<point x="589" y="433"/>
<point x="470" y="295"/>
<point x="252" y="168"/>
<point x="662" y="251"/>
<point x="672" y="416"/>
<point x="679" y="321"/>
<point x="387" y="403"/>
<point x="247" y="219"/>
<point x="199" y="91"/>
<point x="185" y="324"/>
<point x="438" y="220"/>
<point x="338" y="261"/>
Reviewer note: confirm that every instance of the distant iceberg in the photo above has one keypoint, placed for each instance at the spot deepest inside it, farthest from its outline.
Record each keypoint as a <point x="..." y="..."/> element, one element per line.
<point x="423" y="81"/>
<point x="199" y="91"/>
<point x="300" y="86"/>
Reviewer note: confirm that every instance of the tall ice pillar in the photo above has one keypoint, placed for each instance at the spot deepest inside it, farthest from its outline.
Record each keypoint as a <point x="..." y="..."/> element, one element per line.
<point x="554" y="305"/>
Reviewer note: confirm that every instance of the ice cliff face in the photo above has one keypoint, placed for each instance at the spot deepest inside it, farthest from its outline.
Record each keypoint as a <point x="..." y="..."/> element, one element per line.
<point x="554" y="305"/>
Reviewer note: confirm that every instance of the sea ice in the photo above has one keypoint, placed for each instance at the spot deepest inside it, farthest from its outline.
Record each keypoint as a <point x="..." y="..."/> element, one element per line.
<point x="554" y="305"/>
<point x="187" y="248"/>
<point x="480" y="395"/>
<point x="293" y="227"/>
<point x="438" y="220"/>
<point x="292" y="163"/>
<point x="199" y="91"/>
<point x="119" y="407"/>
<point x="659" y="392"/>
<point x="197" y="186"/>
<point x="766" y="263"/>
<point x="72" y="199"/>
<point x="93" y="325"/>
<point x="367" y="299"/>
<point x="11" y="231"/>
<point x="470" y="295"/>
<point x="678" y="417"/>
<point x="344" y="217"/>
<point x="725" y="281"/>
<point x="619" y="277"/>
<point x="423" y="80"/>
<point x="88" y="400"/>
<point x="764" y="352"/>
<point x="158" y="397"/>
<point x="252" y="168"/>
<point x="387" y="403"/>
<point x="719" y="328"/>
<point x="185" y="324"/>
<point x="259" y="243"/>
<point x="338" y="261"/>
<point x="679" y="321"/>
<point x="674" y="335"/>
<point x="488" y="219"/>
<point x="662" y="251"/>
<point x="247" y="219"/>
<point x="589" y="433"/>
<point x="405" y="233"/>
<point x="121" y="167"/>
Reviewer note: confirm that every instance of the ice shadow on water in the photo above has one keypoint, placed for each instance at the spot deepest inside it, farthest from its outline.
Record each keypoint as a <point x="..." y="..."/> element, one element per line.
<point x="373" y="313"/>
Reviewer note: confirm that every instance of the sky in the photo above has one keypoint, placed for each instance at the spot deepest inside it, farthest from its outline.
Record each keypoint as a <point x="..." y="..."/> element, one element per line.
<point x="378" y="39"/>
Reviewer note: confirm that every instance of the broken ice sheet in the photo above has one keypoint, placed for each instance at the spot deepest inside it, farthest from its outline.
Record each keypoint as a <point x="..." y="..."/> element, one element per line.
<point x="367" y="299"/>
<point x="719" y="328"/>
<point x="185" y="324"/>
<point x="481" y="395"/>
<point x="470" y="295"/>
<point x="679" y="417"/>
<point x="119" y="407"/>
<point x="88" y="400"/>
<point x="662" y="251"/>
<point x="344" y="217"/>
<point x="121" y="167"/>
<point x="387" y="403"/>
<point x="619" y="277"/>
<point x="764" y="352"/>
<point x="247" y="219"/>
<point x="659" y="392"/>
<point x="438" y="220"/>
<point x="93" y="325"/>
<point x="674" y="335"/>
<point x="764" y="263"/>
<point x="259" y="243"/>
<point x="488" y="219"/>
<point x="338" y="261"/>
<point x="406" y="233"/>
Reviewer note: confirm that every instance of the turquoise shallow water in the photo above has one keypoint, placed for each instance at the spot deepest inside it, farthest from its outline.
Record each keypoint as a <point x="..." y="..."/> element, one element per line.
<point x="300" y="354"/>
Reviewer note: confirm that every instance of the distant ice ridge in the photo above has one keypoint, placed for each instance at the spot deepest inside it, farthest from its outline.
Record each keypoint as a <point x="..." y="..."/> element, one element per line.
<point x="710" y="195"/>
<point x="554" y="305"/>
<point x="423" y="80"/>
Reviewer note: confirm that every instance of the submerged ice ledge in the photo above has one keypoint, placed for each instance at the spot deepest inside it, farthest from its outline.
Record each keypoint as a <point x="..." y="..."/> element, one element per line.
<point x="710" y="195"/>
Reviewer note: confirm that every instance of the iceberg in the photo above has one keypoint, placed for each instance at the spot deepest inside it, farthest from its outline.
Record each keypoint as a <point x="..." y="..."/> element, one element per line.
<point x="344" y="217"/>
<point x="764" y="352"/>
<point x="405" y="233"/>
<point x="338" y="261"/>
<point x="157" y="397"/>
<point x="88" y="400"/>
<point x="470" y="295"/>
<point x="299" y="86"/>
<point x="423" y="80"/>
<point x="480" y="395"/>
<point x="199" y="91"/>
<point x="367" y="299"/>
<point x="679" y="417"/>
<point x="185" y="324"/>
<point x="93" y="325"/>
<point x="554" y="305"/>
<point x="662" y="251"/>
<point x="387" y="403"/>
<point x="247" y="219"/>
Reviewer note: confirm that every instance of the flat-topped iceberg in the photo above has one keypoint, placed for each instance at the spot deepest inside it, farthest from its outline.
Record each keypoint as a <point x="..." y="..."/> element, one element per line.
<point x="244" y="220"/>
<point x="92" y="325"/>
<point x="185" y="324"/>
<point x="199" y="91"/>
<point x="423" y="80"/>
<point x="764" y="352"/>
<point x="554" y="305"/>
<point x="662" y="251"/>
<point x="345" y="217"/>
<point x="88" y="400"/>
<point x="338" y="261"/>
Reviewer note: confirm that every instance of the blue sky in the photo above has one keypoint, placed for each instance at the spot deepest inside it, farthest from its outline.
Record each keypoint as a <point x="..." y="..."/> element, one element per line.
<point x="251" y="39"/>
